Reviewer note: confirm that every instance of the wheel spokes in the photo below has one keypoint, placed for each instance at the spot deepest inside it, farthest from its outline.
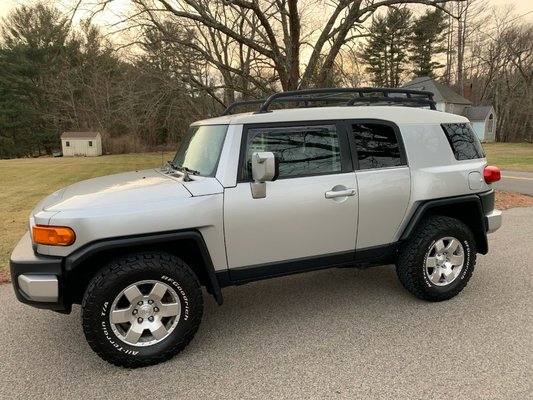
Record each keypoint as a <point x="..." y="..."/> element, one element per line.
<point x="134" y="333"/>
<point x="170" y="309"/>
<point x="436" y="276"/>
<point x="431" y="262"/>
<point x="444" y="261"/>
<point x="449" y="275"/>
<point x="439" y="246"/>
<point x="121" y="316"/>
<point x="150" y="317"/>
<point x="452" y="246"/>
<point x="158" y="291"/>
<point x="158" y="331"/>
<point x="132" y="293"/>
<point x="457" y="260"/>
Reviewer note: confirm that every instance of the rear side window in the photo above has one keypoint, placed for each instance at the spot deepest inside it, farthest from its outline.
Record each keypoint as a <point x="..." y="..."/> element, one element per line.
<point x="464" y="142"/>
<point x="302" y="150"/>
<point x="377" y="146"/>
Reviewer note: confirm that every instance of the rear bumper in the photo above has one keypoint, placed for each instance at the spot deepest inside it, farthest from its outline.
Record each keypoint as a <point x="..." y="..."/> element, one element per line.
<point x="37" y="280"/>
<point x="494" y="220"/>
<point x="493" y="217"/>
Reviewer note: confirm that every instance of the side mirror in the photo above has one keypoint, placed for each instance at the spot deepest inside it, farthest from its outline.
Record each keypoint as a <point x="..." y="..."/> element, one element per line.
<point x="265" y="167"/>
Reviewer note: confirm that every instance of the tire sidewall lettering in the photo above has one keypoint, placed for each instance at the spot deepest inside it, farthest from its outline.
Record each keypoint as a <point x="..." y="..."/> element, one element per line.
<point x="112" y="339"/>
<point x="184" y="297"/>
<point x="466" y="264"/>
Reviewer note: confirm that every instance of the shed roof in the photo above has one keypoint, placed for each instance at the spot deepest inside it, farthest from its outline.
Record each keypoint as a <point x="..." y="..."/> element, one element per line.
<point x="441" y="93"/>
<point x="477" y="113"/>
<point x="79" y="135"/>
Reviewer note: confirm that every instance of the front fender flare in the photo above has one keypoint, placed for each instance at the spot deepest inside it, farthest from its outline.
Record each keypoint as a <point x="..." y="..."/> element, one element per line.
<point x="92" y="249"/>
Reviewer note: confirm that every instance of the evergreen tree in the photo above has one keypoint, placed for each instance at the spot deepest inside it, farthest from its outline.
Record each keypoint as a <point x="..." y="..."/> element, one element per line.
<point x="427" y="42"/>
<point x="386" y="51"/>
<point x="34" y="40"/>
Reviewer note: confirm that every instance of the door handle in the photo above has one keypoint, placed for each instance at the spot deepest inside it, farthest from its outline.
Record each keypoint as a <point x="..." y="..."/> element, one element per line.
<point x="331" y="194"/>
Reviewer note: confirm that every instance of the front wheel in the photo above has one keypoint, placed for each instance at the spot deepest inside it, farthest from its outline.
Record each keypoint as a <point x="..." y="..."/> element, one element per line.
<point x="438" y="260"/>
<point x="142" y="309"/>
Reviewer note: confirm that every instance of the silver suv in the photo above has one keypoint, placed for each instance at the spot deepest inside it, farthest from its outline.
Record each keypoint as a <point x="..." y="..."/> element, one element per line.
<point x="323" y="183"/>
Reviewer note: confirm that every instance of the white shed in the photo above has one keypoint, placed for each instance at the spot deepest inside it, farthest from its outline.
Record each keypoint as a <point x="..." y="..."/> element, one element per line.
<point x="81" y="144"/>
<point x="483" y="121"/>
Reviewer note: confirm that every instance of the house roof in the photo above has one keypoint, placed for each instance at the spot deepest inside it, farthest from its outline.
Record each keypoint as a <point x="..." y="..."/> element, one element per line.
<point x="79" y="135"/>
<point x="441" y="93"/>
<point x="477" y="113"/>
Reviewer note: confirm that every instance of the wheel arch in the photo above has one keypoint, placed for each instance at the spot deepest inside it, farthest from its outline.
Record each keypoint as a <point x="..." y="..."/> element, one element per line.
<point x="467" y="209"/>
<point x="83" y="264"/>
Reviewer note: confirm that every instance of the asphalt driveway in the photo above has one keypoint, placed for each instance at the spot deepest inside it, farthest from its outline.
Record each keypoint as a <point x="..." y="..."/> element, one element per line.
<point x="514" y="181"/>
<point x="334" y="334"/>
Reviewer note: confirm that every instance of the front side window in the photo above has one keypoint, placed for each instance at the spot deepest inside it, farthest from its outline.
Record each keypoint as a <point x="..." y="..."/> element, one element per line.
<point x="67" y="144"/>
<point x="90" y="143"/>
<point x="301" y="150"/>
<point x="376" y="145"/>
<point x="200" y="149"/>
<point x="463" y="141"/>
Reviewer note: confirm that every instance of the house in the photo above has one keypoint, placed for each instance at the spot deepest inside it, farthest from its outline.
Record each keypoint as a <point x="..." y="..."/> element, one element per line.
<point x="81" y="144"/>
<point x="483" y="118"/>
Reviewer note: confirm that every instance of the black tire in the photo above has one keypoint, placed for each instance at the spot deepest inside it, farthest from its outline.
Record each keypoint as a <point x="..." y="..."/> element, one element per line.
<point x="424" y="246"/>
<point x="172" y="313"/>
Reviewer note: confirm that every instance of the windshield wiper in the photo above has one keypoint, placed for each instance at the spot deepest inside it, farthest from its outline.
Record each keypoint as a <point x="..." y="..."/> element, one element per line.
<point x="188" y="170"/>
<point x="185" y="170"/>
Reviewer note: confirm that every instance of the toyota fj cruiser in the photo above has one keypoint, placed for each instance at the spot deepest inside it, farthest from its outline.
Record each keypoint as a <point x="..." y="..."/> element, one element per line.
<point x="322" y="183"/>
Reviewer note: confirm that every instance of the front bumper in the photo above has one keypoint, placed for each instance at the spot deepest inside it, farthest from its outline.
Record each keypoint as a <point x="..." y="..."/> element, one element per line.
<point x="37" y="279"/>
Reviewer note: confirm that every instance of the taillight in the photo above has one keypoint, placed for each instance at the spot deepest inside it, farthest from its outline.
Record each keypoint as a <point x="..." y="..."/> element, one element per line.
<point x="491" y="174"/>
<point x="53" y="235"/>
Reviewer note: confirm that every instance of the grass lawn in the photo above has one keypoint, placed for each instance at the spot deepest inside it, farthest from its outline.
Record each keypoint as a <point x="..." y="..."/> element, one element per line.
<point x="510" y="156"/>
<point x="26" y="181"/>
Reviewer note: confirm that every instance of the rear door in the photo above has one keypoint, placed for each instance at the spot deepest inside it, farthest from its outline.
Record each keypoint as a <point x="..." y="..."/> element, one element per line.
<point x="301" y="218"/>
<point x="383" y="179"/>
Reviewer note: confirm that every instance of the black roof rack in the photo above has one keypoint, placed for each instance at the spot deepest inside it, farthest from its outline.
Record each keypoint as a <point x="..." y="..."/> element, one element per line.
<point x="343" y="97"/>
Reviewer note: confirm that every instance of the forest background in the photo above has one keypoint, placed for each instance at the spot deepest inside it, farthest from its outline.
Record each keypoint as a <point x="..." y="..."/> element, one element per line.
<point x="140" y="71"/>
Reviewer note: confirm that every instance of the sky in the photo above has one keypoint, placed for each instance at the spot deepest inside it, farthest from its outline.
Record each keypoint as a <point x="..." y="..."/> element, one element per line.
<point x="521" y="6"/>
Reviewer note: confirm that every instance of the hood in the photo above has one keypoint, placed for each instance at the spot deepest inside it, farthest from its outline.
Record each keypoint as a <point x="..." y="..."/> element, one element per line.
<point x="118" y="190"/>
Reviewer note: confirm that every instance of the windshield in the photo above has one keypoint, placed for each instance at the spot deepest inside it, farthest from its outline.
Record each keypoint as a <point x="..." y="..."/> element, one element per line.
<point x="200" y="149"/>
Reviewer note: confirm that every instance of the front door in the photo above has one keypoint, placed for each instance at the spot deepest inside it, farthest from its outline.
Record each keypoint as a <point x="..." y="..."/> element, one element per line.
<point x="310" y="211"/>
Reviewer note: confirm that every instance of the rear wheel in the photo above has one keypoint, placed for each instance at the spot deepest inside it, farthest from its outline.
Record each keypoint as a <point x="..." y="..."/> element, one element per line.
<point x="142" y="309"/>
<point x="438" y="260"/>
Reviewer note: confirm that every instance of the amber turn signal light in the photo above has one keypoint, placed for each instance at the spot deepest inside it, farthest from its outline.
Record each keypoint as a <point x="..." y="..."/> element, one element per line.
<point x="53" y="235"/>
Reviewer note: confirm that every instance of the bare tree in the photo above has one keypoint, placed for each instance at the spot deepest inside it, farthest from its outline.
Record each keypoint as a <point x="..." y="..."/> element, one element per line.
<point x="465" y="19"/>
<point x="502" y="74"/>
<point x="268" y="35"/>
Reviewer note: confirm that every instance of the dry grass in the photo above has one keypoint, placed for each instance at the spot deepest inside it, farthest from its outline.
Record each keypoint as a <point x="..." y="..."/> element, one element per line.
<point x="510" y="156"/>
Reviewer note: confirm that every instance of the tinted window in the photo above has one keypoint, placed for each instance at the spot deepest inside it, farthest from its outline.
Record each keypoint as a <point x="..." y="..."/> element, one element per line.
<point x="302" y="150"/>
<point x="377" y="146"/>
<point x="463" y="140"/>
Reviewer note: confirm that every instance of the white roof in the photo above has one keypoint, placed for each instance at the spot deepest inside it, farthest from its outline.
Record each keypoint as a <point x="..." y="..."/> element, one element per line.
<point x="396" y="114"/>
<point x="80" y="135"/>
